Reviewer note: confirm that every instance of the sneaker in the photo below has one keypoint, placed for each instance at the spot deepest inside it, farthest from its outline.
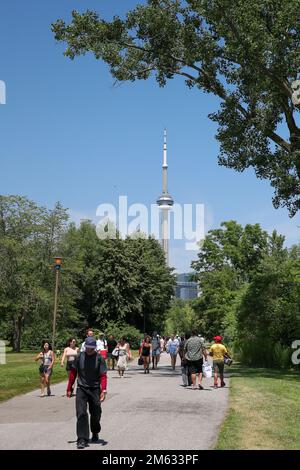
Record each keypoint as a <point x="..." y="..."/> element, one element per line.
<point x="223" y="384"/>
<point x="215" y="386"/>
<point x="81" y="444"/>
<point x="95" y="437"/>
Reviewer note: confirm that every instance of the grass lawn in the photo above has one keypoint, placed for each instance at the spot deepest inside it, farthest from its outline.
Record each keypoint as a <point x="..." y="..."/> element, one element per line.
<point x="264" y="410"/>
<point x="20" y="374"/>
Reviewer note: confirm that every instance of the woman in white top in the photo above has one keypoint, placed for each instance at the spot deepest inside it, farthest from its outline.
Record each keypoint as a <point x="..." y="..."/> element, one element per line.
<point x="46" y="356"/>
<point x="70" y="352"/>
<point x="124" y="355"/>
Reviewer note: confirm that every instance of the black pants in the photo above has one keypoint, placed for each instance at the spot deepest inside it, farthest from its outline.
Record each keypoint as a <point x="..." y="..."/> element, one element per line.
<point x="86" y="396"/>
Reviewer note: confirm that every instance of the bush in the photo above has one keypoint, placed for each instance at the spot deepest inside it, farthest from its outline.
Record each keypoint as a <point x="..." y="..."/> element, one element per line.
<point x="117" y="329"/>
<point x="33" y="336"/>
<point x="262" y="353"/>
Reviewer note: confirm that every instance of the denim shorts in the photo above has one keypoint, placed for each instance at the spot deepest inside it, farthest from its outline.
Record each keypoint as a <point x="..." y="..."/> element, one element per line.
<point x="46" y="371"/>
<point x="156" y="352"/>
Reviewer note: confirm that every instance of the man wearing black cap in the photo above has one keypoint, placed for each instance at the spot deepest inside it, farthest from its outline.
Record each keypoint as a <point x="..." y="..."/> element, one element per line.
<point x="91" y="389"/>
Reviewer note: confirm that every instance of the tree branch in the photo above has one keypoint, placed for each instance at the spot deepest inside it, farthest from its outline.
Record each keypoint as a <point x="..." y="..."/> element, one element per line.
<point x="281" y="84"/>
<point x="217" y="88"/>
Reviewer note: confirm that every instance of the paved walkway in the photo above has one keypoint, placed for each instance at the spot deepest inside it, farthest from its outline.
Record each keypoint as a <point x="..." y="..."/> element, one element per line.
<point x="141" y="412"/>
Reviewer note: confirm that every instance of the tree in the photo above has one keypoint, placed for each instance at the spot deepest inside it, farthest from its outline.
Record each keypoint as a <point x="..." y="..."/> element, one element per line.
<point x="156" y="282"/>
<point x="120" y="280"/>
<point x="228" y="262"/>
<point x="269" y="309"/>
<point x="215" y="308"/>
<point x="29" y="239"/>
<point x="239" y="248"/>
<point x="245" y="53"/>
<point x="181" y="317"/>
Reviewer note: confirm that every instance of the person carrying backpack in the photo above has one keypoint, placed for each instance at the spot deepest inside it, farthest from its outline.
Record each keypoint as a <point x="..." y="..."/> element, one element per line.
<point x="91" y="372"/>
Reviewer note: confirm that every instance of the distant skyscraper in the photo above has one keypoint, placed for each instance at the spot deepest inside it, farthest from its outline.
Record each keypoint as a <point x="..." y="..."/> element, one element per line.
<point x="185" y="288"/>
<point x="165" y="203"/>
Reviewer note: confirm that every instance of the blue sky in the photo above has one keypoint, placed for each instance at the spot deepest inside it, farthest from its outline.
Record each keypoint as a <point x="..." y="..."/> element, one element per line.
<point x="68" y="134"/>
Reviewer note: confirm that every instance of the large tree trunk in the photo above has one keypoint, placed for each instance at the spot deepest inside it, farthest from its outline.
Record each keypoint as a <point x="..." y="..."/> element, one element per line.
<point x="16" y="342"/>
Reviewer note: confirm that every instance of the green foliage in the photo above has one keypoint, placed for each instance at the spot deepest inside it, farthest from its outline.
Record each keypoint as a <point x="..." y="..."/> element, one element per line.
<point x="124" y="281"/>
<point x="29" y="238"/>
<point x="263" y="353"/>
<point x="271" y="304"/>
<point x="218" y="291"/>
<point x="245" y="53"/>
<point x="250" y="293"/>
<point x="119" y="330"/>
<point x="180" y="318"/>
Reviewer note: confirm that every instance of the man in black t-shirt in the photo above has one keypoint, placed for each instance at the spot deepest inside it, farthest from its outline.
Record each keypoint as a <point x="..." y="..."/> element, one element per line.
<point x="91" y="389"/>
<point x="111" y="344"/>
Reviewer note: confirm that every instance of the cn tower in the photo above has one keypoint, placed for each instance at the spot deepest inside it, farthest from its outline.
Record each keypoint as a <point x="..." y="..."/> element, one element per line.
<point x="165" y="203"/>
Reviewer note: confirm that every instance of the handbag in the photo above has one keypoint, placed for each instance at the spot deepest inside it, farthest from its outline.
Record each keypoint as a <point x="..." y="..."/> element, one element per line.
<point x="227" y="360"/>
<point x="140" y="361"/>
<point x="115" y="352"/>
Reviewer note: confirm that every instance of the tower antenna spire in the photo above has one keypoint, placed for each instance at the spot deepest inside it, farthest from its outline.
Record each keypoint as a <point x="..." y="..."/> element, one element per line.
<point x="165" y="202"/>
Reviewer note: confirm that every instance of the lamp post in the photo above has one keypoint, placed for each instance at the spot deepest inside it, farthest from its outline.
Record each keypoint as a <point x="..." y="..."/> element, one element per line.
<point x="57" y="266"/>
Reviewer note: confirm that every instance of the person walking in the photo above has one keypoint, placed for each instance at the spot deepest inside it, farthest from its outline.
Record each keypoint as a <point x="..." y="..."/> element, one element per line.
<point x="46" y="356"/>
<point x="102" y="345"/>
<point x="217" y="351"/>
<point x="123" y="357"/>
<point x="111" y="344"/>
<point x="172" y="349"/>
<point x="90" y="369"/>
<point x="70" y="352"/>
<point x="155" y="347"/>
<point x="89" y="333"/>
<point x="146" y="353"/>
<point x="194" y="351"/>
<point x="185" y="373"/>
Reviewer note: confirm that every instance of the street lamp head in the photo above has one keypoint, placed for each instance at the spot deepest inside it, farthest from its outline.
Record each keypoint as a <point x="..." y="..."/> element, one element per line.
<point x="57" y="262"/>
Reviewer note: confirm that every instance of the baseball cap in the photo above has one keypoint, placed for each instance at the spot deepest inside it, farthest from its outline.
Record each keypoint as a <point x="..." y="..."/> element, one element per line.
<point x="90" y="342"/>
<point x="217" y="338"/>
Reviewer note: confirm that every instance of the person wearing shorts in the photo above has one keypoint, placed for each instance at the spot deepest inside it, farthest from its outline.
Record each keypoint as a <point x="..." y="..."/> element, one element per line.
<point x="145" y="353"/>
<point x="172" y="349"/>
<point x="194" y="351"/>
<point x="155" y="346"/>
<point x="46" y="356"/>
<point x="217" y="352"/>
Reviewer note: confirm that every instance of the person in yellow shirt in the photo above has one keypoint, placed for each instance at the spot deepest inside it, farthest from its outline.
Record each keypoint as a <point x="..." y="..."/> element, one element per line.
<point x="217" y="352"/>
